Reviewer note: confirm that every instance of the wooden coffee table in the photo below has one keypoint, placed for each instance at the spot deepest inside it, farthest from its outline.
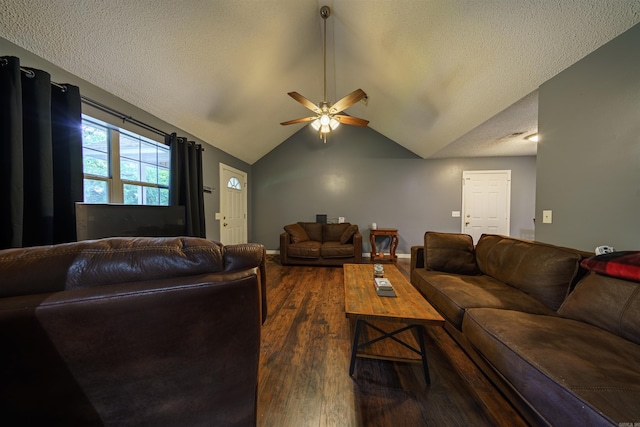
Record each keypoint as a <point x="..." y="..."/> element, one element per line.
<point x="408" y="308"/>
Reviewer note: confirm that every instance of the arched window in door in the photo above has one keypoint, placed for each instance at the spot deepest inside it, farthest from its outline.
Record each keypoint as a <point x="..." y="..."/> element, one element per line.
<point x="234" y="183"/>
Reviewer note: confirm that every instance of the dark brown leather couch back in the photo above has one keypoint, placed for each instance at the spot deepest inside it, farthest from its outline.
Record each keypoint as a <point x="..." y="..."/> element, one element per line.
<point x="313" y="229"/>
<point x="608" y="303"/>
<point x="543" y="271"/>
<point x="41" y="269"/>
<point x="333" y="232"/>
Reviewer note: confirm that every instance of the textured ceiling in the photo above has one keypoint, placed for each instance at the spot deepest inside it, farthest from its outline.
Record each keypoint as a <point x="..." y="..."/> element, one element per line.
<point x="444" y="78"/>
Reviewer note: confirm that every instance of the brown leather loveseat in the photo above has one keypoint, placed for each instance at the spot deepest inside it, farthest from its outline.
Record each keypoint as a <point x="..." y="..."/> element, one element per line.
<point x="314" y="243"/>
<point x="131" y="331"/>
<point x="565" y="354"/>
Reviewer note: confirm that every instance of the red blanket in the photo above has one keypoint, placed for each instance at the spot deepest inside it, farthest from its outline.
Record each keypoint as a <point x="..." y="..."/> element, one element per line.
<point x="621" y="265"/>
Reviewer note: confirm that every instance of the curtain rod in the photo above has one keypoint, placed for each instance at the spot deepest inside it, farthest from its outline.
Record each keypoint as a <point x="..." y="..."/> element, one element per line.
<point x="124" y="117"/>
<point x="102" y="107"/>
<point x="120" y="115"/>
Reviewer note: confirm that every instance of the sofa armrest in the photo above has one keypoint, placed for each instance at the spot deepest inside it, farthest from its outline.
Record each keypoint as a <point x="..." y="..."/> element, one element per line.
<point x="417" y="257"/>
<point x="285" y="238"/>
<point x="357" y="247"/>
<point x="175" y="344"/>
<point x="249" y="255"/>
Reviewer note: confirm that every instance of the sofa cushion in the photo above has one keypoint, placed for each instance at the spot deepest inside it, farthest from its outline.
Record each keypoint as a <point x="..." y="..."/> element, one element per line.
<point x="572" y="373"/>
<point x="544" y="271"/>
<point x="336" y="250"/>
<point x="608" y="303"/>
<point x="297" y="233"/>
<point x="623" y="265"/>
<point x="348" y="233"/>
<point x="313" y="229"/>
<point x="308" y="249"/>
<point x="333" y="232"/>
<point x="450" y="252"/>
<point x="452" y="294"/>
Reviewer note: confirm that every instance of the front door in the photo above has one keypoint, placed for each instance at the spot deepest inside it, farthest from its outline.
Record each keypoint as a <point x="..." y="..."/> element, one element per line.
<point x="233" y="205"/>
<point x="486" y="202"/>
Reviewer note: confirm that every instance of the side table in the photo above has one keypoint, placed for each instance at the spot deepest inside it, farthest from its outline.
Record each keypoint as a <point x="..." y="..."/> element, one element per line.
<point x="392" y="233"/>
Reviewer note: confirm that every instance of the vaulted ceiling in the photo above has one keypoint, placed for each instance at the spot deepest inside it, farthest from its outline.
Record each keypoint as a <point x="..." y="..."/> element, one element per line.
<point x="444" y="78"/>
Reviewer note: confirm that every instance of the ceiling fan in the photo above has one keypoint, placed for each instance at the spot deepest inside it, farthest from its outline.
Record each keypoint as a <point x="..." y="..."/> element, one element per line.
<point x="327" y="116"/>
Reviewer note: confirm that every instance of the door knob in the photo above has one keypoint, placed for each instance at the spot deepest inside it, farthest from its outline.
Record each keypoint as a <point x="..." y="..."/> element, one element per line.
<point x="224" y="224"/>
<point x="466" y="223"/>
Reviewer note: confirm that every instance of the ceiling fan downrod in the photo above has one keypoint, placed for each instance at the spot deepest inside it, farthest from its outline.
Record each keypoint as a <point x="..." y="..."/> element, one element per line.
<point x="325" y="12"/>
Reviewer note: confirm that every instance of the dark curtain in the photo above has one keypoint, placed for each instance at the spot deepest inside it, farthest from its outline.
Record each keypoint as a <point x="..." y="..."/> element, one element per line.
<point x="41" y="157"/>
<point x="185" y="188"/>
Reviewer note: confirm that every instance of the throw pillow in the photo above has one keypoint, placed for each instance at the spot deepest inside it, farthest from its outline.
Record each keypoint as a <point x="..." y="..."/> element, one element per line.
<point x="297" y="233"/>
<point x="348" y="234"/>
<point x="621" y="265"/>
<point x="450" y="253"/>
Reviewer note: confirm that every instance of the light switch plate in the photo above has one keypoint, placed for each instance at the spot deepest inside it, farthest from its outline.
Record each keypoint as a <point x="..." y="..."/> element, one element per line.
<point x="217" y="215"/>
<point x="455" y="214"/>
<point x="547" y="216"/>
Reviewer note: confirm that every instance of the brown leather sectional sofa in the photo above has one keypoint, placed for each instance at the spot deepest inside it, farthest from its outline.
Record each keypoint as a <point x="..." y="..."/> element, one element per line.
<point x="131" y="331"/>
<point x="314" y="243"/>
<point x="561" y="342"/>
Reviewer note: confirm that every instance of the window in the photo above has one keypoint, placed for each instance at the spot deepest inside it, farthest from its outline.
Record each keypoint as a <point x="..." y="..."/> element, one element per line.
<point x="95" y="158"/>
<point x="234" y="183"/>
<point x="122" y="167"/>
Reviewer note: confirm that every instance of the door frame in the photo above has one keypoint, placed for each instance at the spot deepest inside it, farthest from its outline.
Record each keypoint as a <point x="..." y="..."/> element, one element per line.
<point x="223" y="187"/>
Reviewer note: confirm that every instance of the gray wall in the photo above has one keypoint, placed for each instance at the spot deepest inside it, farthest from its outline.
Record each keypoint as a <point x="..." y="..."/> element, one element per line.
<point x="212" y="156"/>
<point x="588" y="168"/>
<point x="366" y="177"/>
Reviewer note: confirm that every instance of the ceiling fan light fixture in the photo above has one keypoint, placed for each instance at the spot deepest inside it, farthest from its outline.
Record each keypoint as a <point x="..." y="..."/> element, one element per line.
<point x="327" y="116"/>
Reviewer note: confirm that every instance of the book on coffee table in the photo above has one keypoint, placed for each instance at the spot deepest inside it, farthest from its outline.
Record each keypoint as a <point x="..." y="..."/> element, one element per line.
<point x="383" y="287"/>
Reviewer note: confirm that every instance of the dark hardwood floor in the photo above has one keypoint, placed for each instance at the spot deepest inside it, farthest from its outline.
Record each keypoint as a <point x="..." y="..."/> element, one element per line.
<point x="304" y="364"/>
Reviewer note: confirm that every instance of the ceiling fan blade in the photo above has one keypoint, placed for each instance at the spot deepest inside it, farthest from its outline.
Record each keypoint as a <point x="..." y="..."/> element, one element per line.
<point x="304" y="101"/>
<point x="348" y="101"/>
<point x="353" y="121"/>
<point x="302" y="120"/>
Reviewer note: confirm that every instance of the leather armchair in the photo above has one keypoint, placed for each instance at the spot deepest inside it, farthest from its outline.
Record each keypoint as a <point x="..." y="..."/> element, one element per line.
<point x="131" y="331"/>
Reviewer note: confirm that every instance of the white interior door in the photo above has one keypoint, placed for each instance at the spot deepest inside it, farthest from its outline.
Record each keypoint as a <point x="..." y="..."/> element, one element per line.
<point x="486" y="202"/>
<point x="233" y="205"/>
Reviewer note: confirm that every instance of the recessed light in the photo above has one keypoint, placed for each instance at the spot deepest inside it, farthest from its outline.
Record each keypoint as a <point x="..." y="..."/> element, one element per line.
<point x="533" y="137"/>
